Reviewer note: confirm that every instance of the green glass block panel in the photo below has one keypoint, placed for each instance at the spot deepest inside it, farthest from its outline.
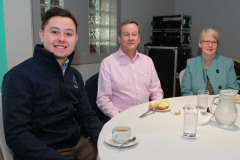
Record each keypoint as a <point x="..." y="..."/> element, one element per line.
<point x="43" y="9"/>
<point x="44" y="2"/>
<point x="99" y="26"/>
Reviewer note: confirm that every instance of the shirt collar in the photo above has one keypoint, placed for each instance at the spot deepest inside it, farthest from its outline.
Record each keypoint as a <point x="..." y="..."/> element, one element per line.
<point x="64" y="67"/>
<point x="120" y="54"/>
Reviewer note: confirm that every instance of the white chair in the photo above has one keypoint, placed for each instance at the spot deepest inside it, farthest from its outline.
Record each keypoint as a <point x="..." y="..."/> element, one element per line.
<point x="6" y="152"/>
<point x="181" y="74"/>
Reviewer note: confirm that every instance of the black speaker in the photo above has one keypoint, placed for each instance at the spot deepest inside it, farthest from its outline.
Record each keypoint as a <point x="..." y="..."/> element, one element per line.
<point x="169" y="61"/>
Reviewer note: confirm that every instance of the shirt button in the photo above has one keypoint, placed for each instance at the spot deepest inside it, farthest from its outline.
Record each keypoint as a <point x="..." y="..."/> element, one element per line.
<point x="219" y="87"/>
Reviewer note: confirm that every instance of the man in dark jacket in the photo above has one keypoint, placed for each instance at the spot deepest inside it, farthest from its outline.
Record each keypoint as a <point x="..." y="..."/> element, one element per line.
<point x="45" y="107"/>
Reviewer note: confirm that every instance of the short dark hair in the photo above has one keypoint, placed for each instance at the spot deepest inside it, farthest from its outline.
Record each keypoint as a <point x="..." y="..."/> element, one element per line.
<point x="129" y="21"/>
<point x="55" y="11"/>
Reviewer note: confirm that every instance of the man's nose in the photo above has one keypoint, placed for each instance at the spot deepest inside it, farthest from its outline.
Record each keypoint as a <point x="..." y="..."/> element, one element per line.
<point x="130" y="37"/>
<point x="61" y="37"/>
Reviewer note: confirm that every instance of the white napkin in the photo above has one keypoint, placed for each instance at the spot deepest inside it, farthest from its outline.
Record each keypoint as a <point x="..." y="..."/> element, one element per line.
<point x="203" y="119"/>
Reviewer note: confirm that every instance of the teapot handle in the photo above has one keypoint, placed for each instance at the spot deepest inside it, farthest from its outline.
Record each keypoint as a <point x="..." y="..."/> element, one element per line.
<point x="214" y="103"/>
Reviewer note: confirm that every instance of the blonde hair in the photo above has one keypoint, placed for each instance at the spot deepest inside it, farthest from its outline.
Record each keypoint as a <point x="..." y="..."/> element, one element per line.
<point x="209" y="32"/>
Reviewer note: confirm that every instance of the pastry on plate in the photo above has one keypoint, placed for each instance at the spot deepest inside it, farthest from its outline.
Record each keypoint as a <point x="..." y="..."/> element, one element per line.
<point x="238" y="98"/>
<point x="162" y="105"/>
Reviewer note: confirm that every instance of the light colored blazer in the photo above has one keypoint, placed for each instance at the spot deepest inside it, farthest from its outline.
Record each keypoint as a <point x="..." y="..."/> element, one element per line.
<point x="221" y="74"/>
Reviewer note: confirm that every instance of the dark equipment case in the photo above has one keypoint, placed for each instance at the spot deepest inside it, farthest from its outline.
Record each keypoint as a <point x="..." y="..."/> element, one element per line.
<point x="171" y="38"/>
<point x="182" y="22"/>
<point x="169" y="61"/>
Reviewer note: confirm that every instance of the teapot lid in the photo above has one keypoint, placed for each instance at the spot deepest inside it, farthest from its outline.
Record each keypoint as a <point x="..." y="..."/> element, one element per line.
<point x="229" y="92"/>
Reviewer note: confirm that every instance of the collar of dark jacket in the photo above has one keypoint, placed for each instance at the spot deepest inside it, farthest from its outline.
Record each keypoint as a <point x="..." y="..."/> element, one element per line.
<point x="44" y="55"/>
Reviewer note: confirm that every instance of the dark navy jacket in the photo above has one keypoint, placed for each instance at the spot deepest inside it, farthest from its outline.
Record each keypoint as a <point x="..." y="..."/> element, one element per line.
<point x="43" y="110"/>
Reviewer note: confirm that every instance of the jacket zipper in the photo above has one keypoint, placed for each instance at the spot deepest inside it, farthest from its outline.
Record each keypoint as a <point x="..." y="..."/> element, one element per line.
<point x="62" y="90"/>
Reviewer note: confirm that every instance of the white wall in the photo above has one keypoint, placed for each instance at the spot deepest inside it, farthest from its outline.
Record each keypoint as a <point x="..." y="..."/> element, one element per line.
<point x="18" y="25"/>
<point x="18" y="30"/>
<point x="219" y="14"/>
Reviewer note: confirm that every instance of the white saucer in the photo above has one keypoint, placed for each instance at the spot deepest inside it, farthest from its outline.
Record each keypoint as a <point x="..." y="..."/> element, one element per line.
<point x="110" y="141"/>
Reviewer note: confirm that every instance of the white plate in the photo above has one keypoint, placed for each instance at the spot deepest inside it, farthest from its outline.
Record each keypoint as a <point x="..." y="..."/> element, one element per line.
<point x="110" y="141"/>
<point x="166" y="110"/>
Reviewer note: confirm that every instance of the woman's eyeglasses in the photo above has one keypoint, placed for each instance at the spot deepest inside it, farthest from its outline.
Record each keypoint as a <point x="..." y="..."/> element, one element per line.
<point x="214" y="43"/>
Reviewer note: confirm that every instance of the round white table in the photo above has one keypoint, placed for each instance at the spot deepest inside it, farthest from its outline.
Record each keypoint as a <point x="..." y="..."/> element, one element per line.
<point x="159" y="136"/>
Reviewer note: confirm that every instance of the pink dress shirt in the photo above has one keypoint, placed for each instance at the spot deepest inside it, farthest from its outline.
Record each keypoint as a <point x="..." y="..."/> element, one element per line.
<point x="123" y="84"/>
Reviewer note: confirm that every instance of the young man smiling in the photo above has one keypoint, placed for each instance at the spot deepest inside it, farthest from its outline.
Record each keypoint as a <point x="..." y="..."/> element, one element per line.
<point x="45" y="107"/>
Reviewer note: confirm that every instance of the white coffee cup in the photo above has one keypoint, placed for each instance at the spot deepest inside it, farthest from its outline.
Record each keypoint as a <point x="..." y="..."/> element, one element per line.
<point x="121" y="134"/>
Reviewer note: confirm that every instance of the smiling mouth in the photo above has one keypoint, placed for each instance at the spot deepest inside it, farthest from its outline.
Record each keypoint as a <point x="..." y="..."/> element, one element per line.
<point x="209" y="49"/>
<point x="60" y="47"/>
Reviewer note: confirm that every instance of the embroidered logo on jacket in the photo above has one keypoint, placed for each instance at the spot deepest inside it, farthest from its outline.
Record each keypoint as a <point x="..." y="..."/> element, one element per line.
<point x="75" y="85"/>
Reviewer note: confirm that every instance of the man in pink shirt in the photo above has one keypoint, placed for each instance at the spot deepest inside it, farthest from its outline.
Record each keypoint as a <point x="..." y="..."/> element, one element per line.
<point x="127" y="77"/>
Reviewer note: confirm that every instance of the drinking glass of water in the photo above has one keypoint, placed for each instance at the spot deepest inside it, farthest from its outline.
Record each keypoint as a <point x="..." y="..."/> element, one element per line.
<point x="202" y="100"/>
<point x="190" y="120"/>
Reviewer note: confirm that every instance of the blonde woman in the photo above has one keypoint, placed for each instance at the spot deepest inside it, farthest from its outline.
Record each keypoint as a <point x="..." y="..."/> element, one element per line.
<point x="209" y="70"/>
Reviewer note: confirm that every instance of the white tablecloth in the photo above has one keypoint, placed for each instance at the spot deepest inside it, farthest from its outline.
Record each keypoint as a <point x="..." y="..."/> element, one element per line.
<point x="159" y="136"/>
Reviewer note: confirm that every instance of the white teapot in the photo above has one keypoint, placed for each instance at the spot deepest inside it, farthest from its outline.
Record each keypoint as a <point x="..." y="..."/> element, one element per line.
<point x="226" y="112"/>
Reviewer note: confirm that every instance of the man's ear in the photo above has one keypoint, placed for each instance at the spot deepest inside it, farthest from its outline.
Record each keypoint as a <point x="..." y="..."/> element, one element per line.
<point x="41" y="35"/>
<point x="119" y="37"/>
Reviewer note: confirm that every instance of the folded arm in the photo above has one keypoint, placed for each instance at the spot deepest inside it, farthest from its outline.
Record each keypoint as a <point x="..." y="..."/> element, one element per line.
<point x="104" y="96"/>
